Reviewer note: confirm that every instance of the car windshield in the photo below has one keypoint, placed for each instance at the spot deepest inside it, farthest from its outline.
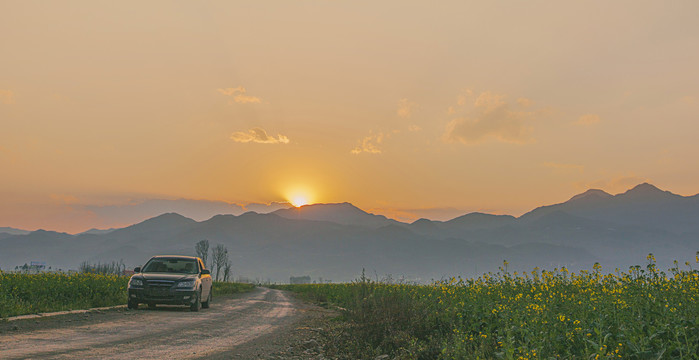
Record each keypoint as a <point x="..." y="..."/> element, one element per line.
<point x="180" y="266"/>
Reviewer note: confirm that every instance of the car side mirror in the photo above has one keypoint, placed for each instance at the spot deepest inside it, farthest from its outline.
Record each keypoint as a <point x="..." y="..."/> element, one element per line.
<point x="137" y="269"/>
<point x="206" y="272"/>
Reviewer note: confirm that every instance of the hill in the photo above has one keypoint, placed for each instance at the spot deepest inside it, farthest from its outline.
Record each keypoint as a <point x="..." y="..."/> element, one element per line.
<point x="336" y="241"/>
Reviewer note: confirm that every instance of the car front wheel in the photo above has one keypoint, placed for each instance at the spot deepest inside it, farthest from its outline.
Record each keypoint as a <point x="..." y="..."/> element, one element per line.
<point x="132" y="305"/>
<point x="196" y="305"/>
<point x="205" y="304"/>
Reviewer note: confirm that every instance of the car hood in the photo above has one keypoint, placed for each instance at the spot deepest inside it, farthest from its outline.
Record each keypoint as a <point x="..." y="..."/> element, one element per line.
<point x="162" y="276"/>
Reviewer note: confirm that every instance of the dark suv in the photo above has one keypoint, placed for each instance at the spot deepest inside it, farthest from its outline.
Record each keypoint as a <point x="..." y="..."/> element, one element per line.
<point x="173" y="280"/>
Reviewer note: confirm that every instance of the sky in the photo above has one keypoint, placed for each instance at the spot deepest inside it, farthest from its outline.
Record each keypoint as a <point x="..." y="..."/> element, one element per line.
<point x="404" y="108"/>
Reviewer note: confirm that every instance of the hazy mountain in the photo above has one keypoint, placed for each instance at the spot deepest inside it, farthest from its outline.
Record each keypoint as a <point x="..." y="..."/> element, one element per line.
<point x="336" y="241"/>
<point x="645" y="205"/>
<point x="97" y="231"/>
<point x="344" y="213"/>
<point x="13" y="231"/>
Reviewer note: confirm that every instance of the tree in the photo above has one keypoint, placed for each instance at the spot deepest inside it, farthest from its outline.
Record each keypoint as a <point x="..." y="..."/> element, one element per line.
<point x="202" y="249"/>
<point x="226" y="269"/>
<point x="218" y="258"/>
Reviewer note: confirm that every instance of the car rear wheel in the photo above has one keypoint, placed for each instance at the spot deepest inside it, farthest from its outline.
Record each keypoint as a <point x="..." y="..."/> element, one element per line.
<point x="196" y="305"/>
<point x="205" y="304"/>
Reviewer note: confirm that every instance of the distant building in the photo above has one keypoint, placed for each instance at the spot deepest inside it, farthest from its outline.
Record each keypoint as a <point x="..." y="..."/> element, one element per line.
<point x="300" y="280"/>
<point x="33" y="267"/>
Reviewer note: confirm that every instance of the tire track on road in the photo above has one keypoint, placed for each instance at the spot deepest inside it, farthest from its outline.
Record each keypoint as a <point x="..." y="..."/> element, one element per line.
<point x="163" y="333"/>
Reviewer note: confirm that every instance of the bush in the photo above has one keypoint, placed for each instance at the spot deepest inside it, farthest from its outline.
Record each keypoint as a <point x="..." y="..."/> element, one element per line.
<point x="638" y="314"/>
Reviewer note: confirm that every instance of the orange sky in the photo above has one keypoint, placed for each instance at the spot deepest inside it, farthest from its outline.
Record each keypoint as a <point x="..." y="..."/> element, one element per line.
<point x="398" y="107"/>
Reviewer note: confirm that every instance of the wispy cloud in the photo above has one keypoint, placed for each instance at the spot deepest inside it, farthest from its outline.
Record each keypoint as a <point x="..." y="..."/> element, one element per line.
<point x="405" y="108"/>
<point x="267" y="208"/>
<point x="7" y="155"/>
<point x="489" y="116"/>
<point x="239" y="95"/>
<point x="258" y="135"/>
<point x="689" y="100"/>
<point x="524" y="102"/>
<point x="7" y="97"/>
<point x="564" y="167"/>
<point x="64" y="199"/>
<point x="370" y="144"/>
<point x="588" y="119"/>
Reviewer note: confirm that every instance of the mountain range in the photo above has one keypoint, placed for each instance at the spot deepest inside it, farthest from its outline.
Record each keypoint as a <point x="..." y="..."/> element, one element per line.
<point x="336" y="241"/>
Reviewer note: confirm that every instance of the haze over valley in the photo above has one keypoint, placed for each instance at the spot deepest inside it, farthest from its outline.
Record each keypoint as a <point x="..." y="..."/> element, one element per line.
<point x="336" y="241"/>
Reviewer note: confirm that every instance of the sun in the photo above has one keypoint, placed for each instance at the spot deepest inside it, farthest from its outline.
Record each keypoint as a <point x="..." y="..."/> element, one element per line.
<point x="299" y="200"/>
<point x="299" y="195"/>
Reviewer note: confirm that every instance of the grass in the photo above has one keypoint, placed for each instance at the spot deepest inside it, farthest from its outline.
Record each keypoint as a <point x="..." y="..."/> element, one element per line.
<point x="226" y="288"/>
<point x="641" y="313"/>
<point x="22" y="294"/>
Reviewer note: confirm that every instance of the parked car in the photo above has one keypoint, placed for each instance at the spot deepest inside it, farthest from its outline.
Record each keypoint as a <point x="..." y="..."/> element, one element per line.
<point x="173" y="280"/>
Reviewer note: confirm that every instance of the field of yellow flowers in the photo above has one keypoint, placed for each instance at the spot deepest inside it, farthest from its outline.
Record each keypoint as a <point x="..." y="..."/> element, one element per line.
<point x="45" y="292"/>
<point x="641" y="313"/>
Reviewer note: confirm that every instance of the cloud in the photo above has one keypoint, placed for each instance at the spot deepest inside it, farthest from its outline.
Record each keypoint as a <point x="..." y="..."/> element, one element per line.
<point x="259" y="136"/>
<point x="524" y="102"/>
<point x="7" y="97"/>
<point x="462" y="99"/>
<point x="588" y="119"/>
<point x="414" y="128"/>
<point x="689" y="100"/>
<point x="64" y="199"/>
<point x="488" y="116"/>
<point x="267" y="208"/>
<point x="564" y="167"/>
<point x="369" y="144"/>
<point x="405" y="108"/>
<point x="239" y="95"/>
<point x="7" y="155"/>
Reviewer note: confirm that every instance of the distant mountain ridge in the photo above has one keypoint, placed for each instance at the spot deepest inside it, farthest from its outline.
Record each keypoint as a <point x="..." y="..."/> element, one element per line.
<point x="341" y="213"/>
<point x="644" y="205"/>
<point x="13" y="231"/>
<point x="335" y="241"/>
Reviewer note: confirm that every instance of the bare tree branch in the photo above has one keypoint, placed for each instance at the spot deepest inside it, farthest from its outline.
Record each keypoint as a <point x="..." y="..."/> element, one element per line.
<point x="202" y="249"/>
<point x="219" y="256"/>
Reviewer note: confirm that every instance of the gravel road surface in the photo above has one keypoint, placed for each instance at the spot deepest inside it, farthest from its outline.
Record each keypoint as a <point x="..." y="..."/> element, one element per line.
<point x="242" y="326"/>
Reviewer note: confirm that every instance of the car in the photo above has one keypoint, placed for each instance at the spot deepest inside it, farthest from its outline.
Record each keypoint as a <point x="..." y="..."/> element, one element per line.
<point x="172" y="280"/>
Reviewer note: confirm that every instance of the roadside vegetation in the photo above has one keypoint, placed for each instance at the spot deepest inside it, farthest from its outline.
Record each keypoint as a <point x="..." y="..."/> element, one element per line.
<point x="227" y="288"/>
<point x="46" y="292"/>
<point x="22" y="294"/>
<point x="642" y="313"/>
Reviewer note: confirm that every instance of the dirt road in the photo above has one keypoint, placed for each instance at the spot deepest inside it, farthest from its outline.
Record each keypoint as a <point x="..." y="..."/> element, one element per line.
<point x="243" y="326"/>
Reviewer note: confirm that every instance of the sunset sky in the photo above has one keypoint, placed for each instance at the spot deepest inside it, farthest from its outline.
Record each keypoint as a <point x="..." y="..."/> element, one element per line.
<point x="403" y="108"/>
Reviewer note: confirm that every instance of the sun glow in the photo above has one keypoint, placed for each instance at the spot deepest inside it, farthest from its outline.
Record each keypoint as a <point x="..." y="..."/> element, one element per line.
<point x="299" y="200"/>
<point x="300" y="196"/>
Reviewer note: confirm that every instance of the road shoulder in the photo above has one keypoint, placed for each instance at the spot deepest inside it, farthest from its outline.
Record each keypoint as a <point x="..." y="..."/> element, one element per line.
<point x="303" y="339"/>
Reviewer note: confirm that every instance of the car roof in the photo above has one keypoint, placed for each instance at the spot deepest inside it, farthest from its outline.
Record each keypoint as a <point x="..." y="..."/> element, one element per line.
<point x="174" y="257"/>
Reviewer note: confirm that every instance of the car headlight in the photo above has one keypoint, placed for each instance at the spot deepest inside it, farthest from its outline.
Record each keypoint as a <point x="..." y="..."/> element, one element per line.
<point x="136" y="282"/>
<point x="186" y="284"/>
